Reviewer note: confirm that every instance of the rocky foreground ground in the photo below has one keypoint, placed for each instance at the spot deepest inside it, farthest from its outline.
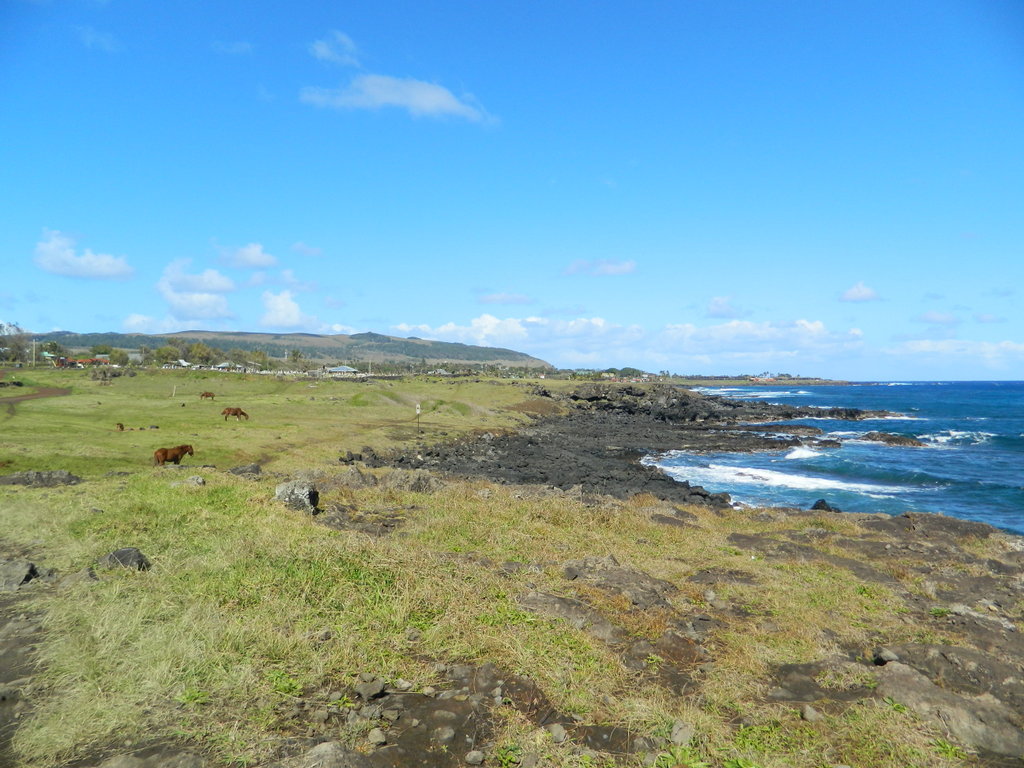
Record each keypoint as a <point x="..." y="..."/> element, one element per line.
<point x="971" y="689"/>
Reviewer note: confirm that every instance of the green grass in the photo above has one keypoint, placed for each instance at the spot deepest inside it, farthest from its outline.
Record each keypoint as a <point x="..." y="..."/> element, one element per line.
<point x="292" y="422"/>
<point x="225" y="627"/>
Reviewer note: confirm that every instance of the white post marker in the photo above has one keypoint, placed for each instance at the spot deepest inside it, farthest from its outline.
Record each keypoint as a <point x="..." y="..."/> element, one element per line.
<point x="418" y="417"/>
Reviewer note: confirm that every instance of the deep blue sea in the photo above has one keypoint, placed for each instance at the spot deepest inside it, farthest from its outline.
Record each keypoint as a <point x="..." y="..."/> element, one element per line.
<point x="972" y="466"/>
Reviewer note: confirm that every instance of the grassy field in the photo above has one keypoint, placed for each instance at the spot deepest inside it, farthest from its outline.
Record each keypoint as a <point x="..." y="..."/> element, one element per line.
<point x="206" y="645"/>
<point x="294" y="424"/>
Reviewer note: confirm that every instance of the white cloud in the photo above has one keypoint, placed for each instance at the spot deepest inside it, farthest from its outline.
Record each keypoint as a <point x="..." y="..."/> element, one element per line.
<point x="859" y="292"/>
<point x="721" y="307"/>
<point x="194" y="306"/>
<point x="138" y="323"/>
<point x="56" y="253"/>
<point x="251" y="256"/>
<point x="987" y="317"/>
<point x="736" y="346"/>
<point x="600" y="267"/>
<point x="419" y="98"/>
<point x="538" y="335"/>
<point x="307" y="250"/>
<point x="744" y="336"/>
<point x="338" y="48"/>
<point x="282" y="311"/>
<point x="208" y="281"/>
<point x="991" y="354"/>
<point x="348" y="330"/>
<point x="194" y="297"/>
<point x="505" y="298"/>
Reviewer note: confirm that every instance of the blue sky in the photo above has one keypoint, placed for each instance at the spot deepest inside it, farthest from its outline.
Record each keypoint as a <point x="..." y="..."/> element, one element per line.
<point x="817" y="188"/>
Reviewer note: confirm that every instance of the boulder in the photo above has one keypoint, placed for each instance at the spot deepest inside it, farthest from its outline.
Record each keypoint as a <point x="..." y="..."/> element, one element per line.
<point x="823" y="506"/>
<point x="299" y="494"/>
<point x="47" y="479"/>
<point x="14" y="573"/>
<point x="126" y="557"/>
<point x="246" y="470"/>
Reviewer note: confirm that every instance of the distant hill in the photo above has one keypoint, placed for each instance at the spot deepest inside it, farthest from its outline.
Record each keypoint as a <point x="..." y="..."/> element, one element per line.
<point x="339" y="348"/>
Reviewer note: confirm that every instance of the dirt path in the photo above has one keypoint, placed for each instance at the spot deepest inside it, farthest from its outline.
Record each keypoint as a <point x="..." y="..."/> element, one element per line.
<point x="44" y="392"/>
<point x="9" y="402"/>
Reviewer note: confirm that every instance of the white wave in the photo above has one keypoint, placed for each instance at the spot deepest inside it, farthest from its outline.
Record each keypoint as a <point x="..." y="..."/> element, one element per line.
<point x="715" y="390"/>
<point x="714" y="476"/>
<point x="802" y="453"/>
<point x="737" y="393"/>
<point x="954" y="437"/>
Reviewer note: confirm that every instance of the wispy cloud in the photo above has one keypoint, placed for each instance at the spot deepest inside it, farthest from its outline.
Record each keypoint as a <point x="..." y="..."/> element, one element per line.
<point x="97" y="41"/>
<point x="722" y="307"/>
<point x="859" y="292"/>
<point x="939" y="318"/>
<point x="307" y="250"/>
<point x="348" y="330"/>
<point x="597" y="342"/>
<point x="337" y="48"/>
<point x="232" y="48"/>
<point x="991" y="354"/>
<point x="288" y="278"/>
<point x="987" y="317"/>
<point x="418" y="98"/>
<point x="139" y="323"/>
<point x="505" y="298"/>
<point x="251" y="256"/>
<point x="56" y="253"/>
<point x="600" y="267"/>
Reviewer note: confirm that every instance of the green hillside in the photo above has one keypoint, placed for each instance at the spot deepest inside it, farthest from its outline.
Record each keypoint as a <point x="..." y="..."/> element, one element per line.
<point x="355" y="348"/>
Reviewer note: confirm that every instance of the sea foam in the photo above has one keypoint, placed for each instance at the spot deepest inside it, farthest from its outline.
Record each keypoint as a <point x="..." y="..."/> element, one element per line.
<point x="802" y="453"/>
<point x="718" y="475"/>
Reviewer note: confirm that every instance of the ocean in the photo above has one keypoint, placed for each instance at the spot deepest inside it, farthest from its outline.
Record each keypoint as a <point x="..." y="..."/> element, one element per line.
<point x="972" y="465"/>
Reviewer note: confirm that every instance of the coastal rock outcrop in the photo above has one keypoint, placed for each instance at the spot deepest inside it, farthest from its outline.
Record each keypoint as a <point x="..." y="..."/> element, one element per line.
<point x="890" y="439"/>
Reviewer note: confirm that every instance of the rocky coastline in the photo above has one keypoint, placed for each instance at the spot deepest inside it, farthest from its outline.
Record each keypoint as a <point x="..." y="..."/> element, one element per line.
<point x="962" y="673"/>
<point x="597" y="445"/>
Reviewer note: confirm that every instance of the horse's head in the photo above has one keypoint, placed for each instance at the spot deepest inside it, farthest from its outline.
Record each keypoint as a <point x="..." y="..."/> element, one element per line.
<point x="188" y="450"/>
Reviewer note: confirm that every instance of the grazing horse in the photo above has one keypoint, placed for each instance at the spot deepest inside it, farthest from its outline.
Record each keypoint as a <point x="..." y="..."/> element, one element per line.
<point x="238" y="413"/>
<point x="204" y="395"/>
<point x="173" y="455"/>
<point x="120" y="427"/>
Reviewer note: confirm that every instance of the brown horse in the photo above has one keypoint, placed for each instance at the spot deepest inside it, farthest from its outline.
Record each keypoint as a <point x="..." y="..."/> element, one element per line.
<point x="173" y="455"/>
<point x="204" y="395"/>
<point x="238" y="413"/>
